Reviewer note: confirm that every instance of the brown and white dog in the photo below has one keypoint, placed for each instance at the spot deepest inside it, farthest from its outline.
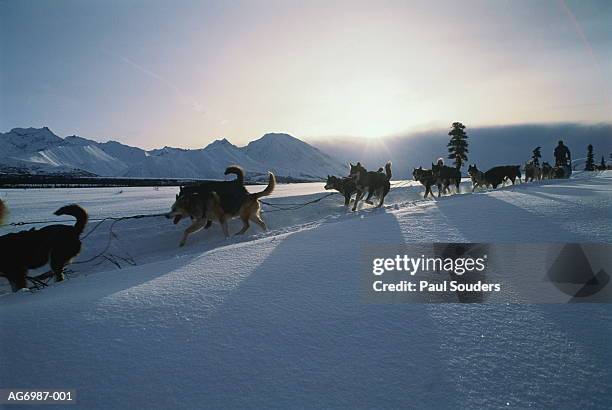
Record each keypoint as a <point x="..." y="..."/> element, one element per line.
<point x="221" y="201"/>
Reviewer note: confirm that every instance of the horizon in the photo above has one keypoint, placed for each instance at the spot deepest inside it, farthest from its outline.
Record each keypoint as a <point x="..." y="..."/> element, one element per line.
<point x="314" y="141"/>
<point x="140" y="71"/>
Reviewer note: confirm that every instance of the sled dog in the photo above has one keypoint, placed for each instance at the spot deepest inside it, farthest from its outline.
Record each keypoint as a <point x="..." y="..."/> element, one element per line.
<point x="547" y="171"/>
<point x="221" y="201"/>
<point x="375" y="183"/>
<point x="446" y="176"/>
<point x="478" y="177"/>
<point x="533" y="172"/>
<point x="498" y="175"/>
<point x="427" y="179"/>
<point x="346" y="186"/>
<point x="53" y="244"/>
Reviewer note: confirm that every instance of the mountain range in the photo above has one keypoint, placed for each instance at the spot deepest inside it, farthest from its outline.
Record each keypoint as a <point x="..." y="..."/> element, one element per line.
<point x="40" y="151"/>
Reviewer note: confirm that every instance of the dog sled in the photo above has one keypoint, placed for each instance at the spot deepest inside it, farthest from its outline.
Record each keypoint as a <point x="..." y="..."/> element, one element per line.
<point x="562" y="171"/>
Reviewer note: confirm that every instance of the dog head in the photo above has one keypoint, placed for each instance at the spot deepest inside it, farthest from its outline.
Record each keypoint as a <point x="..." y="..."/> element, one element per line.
<point x="420" y="174"/>
<point x="356" y="170"/>
<point x="332" y="182"/>
<point x="435" y="168"/>
<point x="180" y="207"/>
<point x="472" y="170"/>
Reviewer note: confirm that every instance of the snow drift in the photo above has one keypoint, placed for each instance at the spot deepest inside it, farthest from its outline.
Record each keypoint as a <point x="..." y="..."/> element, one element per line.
<point x="274" y="320"/>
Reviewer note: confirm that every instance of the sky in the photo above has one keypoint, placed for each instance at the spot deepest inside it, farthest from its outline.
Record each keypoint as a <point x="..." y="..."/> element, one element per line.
<point x="183" y="73"/>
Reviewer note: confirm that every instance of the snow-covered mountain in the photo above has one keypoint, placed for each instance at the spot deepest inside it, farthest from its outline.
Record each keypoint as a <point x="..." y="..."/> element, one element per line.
<point x="39" y="150"/>
<point x="282" y="152"/>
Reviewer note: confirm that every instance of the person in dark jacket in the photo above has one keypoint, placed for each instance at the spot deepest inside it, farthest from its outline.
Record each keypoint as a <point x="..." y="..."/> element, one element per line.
<point x="563" y="157"/>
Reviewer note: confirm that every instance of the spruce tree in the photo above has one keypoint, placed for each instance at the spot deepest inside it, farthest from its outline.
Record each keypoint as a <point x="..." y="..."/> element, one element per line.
<point x="457" y="146"/>
<point x="590" y="163"/>
<point x="536" y="156"/>
<point x="602" y="165"/>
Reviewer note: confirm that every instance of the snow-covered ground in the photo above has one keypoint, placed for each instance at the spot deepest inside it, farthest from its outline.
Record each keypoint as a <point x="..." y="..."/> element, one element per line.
<point x="275" y="320"/>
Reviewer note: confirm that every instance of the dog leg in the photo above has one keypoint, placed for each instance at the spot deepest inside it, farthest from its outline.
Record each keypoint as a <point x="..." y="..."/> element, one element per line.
<point x="257" y="219"/>
<point x="57" y="263"/>
<point x="382" y="200"/>
<point x="245" y="225"/>
<point x="225" y="228"/>
<point x="368" y="199"/>
<point x="357" y="199"/>
<point x="195" y="226"/>
<point x="17" y="279"/>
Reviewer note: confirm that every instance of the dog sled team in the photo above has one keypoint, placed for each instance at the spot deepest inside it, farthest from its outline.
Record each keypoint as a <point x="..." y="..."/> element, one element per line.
<point x="205" y="202"/>
<point x="56" y="245"/>
<point x="443" y="176"/>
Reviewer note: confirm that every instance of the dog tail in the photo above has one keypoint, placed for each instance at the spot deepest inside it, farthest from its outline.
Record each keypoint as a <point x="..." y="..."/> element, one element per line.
<point x="3" y="211"/>
<point x="236" y="170"/>
<point x="388" y="170"/>
<point x="79" y="213"/>
<point x="269" y="188"/>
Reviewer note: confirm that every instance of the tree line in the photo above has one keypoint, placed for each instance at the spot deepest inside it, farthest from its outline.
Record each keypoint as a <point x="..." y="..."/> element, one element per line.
<point x="458" y="150"/>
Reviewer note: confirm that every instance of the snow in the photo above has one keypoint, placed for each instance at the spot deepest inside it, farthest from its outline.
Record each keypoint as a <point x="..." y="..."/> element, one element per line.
<point x="280" y="153"/>
<point x="274" y="320"/>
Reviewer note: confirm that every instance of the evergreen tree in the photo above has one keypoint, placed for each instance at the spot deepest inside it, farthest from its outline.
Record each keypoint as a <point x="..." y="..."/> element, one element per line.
<point x="590" y="162"/>
<point x="457" y="146"/>
<point x="602" y="165"/>
<point x="536" y="156"/>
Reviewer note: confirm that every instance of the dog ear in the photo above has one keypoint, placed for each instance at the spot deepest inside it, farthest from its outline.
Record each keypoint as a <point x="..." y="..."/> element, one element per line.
<point x="358" y="163"/>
